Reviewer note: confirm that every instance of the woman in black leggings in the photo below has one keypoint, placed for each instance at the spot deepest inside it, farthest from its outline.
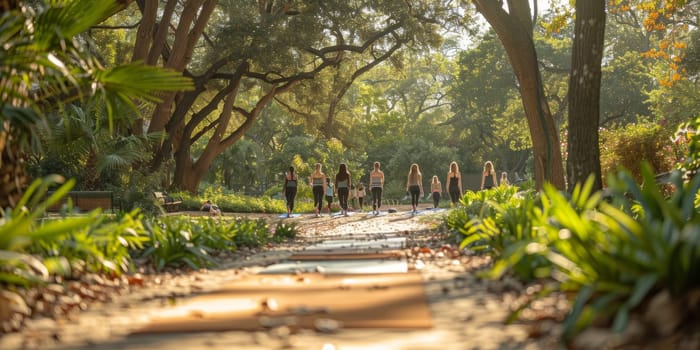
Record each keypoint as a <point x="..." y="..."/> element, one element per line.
<point x="318" y="185"/>
<point x="290" y="190"/>
<point x="414" y="185"/>
<point x="454" y="183"/>
<point x="376" y="184"/>
<point x="342" y="186"/>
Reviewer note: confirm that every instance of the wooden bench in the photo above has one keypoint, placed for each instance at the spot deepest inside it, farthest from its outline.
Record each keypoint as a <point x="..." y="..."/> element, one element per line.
<point x="86" y="200"/>
<point x="169" y="204"/>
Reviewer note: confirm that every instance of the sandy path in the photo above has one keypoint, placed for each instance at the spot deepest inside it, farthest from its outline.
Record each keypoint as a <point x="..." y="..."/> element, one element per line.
<point x="468" y="313"/>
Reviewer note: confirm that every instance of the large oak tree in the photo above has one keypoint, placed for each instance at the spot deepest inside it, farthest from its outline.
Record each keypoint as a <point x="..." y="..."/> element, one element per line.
<point x="255" y="52"/>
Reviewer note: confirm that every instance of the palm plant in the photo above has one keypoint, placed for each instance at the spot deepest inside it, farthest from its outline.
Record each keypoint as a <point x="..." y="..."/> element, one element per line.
<point x="44" y="66"/>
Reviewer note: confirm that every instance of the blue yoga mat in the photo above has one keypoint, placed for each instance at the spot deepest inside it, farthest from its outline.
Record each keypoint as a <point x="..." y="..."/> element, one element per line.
<point x="284" y="216"/>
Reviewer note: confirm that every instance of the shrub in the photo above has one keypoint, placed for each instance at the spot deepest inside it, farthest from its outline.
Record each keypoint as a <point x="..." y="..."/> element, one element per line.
<point x="284" y="232"/>
<point x="626" y="147"/>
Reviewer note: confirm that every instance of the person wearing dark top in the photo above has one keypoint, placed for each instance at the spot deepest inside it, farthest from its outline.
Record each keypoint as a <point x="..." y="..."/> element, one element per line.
<point x="454" y="183"/>
<point x="488" y="176"/>
<point x="342" y="186"/>
<point x="290" y="189"/>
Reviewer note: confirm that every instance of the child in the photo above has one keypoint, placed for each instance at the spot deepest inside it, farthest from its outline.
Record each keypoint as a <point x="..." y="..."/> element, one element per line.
<point x="329" y="195"/>
<point x="361" y="195"/>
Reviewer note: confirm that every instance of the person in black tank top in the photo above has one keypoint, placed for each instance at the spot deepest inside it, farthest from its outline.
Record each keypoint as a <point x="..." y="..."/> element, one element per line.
<point x="488" y="176"/>
<point x="342" y="186"/>
<point x="454" y="183"/>
<point x="290" y="190"/>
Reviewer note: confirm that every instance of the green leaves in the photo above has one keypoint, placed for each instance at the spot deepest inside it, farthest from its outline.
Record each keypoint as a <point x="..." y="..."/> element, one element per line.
<point x="614" y="251"/>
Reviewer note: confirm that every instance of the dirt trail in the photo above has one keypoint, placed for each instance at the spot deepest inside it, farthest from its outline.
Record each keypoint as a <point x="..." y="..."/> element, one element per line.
<point x="467" y="313"/>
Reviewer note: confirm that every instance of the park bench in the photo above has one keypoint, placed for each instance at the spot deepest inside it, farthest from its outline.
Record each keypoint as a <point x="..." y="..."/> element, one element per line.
<point x="86" y="200"/>
<point x="168" y="203"/>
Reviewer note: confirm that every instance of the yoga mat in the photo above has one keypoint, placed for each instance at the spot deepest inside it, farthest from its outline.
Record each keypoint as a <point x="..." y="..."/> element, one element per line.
<point x="301" y="301"/>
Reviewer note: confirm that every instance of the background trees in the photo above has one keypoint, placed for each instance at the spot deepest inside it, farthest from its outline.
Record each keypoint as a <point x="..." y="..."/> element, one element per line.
<point x="280" y="83"/>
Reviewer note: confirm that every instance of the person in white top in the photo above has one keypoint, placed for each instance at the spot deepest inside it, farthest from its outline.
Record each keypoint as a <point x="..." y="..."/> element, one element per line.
<point x="318" y="185"/>
<point x="361" y="195"/>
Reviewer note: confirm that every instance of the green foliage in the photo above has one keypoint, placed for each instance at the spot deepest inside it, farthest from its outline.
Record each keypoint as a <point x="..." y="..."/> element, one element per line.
<point x="626" y="147"/>
<point x="616" y="254"/>
<point x="612" y="252"/>
<point x="250" y="233"/>
<point x="33" y="247"/>
<point x="284" y="232"/>
<point x="231" y="202"/>
<point x="687" y="140"/>
<point x="175" y="241"/>
<point x="20" y="228"/>
<point x="499" y="221"/>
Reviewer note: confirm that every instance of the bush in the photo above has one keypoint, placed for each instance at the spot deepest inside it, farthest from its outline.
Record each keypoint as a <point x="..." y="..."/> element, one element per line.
<point x="614" y="253"/>
<point x="627" y="147"/>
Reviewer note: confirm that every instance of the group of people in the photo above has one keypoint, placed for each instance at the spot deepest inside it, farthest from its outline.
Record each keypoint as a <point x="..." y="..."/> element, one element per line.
<point x="341" y="186"/>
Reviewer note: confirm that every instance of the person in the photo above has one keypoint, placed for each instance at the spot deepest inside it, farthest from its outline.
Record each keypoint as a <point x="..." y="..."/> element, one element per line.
<point x="213" y="209"/>
<point x="318" y="186"/>
<point x="290" y="189"/>
<point x="454" y="183"/>
<point x="436" y="189"/>
<point x="361" y="195"/>
<point x="353" y="197"/>
<point x="329" y="195"/>
<point x="488" y="176"/>
<point x="414" y="185"/>
<point x="504" y="179"/>
<point x="376" y="185"/>
<point x="342" y="187"/>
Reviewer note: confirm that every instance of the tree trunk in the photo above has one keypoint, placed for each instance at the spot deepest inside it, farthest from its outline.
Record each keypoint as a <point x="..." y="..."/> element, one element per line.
<point x="13" y="172"/>
<point x="584" y="93"/>
<point x="514" y="29"/>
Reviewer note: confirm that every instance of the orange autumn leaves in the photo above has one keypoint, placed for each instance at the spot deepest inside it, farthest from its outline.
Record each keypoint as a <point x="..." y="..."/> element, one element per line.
<point x="660" y="18"/>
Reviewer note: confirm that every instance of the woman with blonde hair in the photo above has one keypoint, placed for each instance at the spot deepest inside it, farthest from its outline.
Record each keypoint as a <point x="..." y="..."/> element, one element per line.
<point x="318" y="185"/>
<point x="488" y="176"/>
<point x="454" y="183"/>
<point x="436" y="189"/>
<point x="504" y="179"/>
<point x="414" y="185"/>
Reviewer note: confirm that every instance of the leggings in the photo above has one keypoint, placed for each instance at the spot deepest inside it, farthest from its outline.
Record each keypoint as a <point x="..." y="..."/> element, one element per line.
<point x="436" y="199"/>
<point x="290" y="193"/>
<point x="318" y="197"/>
<point x="415" y="194"/>
<point x="376" y="198"/>
<point x="329" y="200"/>
<point x="343" y="197"/>
<point x="454" y="194"/>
